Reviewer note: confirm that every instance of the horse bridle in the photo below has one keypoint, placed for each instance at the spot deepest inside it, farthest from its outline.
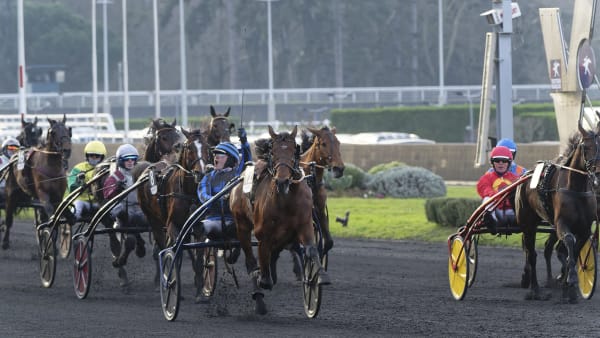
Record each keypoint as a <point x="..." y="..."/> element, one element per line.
<point x="294" y="166"/>
<point x="155" y="135"/>
<point x="590" y="164"/>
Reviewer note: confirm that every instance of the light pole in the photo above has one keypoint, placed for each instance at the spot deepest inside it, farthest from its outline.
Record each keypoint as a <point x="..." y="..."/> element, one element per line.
<point x="184" y="111"/>
<point x="442" y="98"/>
<point x="271" y="103"/>
<point x="22" y="74"/>
<point x="106" y="103"/>
<point x="156" y="60"/>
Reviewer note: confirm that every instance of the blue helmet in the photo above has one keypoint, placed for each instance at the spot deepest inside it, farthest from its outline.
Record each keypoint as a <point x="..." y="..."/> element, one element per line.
<point x="508" y="143"/>
<point x="227" y="148"/>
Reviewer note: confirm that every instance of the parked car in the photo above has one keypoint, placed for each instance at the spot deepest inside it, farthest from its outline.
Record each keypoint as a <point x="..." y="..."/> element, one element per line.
<point x="383" y="138"/>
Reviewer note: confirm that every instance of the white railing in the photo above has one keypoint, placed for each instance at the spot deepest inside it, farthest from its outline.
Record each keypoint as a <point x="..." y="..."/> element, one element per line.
<point x="377" y="96"/>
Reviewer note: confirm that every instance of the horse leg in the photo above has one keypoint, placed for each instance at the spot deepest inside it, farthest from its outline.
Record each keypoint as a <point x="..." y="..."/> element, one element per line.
<point x="10" y="209"/>
<point x="570" y="288"/>
<point x="294" y="249"/>
<point x="128" y="246"/>
<point x="273" y="265"/>
<point x="531" y="257"/>
<point x="313" y="254"/>
<point x="264" y="261"/>
<point x="548" y="249"/>
<point x="526" y="276"/>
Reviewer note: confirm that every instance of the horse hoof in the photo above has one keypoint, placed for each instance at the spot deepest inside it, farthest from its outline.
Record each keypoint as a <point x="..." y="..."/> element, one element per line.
<point x="323" y="278"/>
<point x="233" y="257"/>
<point x="265" y="283"/>
<point x="140" y="250"/>
<point x="260" y="307"/>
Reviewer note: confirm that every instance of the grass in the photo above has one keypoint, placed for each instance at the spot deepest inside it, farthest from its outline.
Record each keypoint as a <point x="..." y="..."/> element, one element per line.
<point x="402" y="219"/>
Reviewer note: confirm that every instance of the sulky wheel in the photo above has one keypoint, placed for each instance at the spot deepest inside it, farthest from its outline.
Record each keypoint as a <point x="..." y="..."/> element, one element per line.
<point x="209" y="271"/>
<point x="64" y="238"/>
<point x="473" y="256"/>
<point x="47" y="257"/>
<point x="458" y="268"/>
<point x="311" y="289"/>
<point x="170" y="285"/>
<point x="586" y="269"/>
<point x="82" y="265"/>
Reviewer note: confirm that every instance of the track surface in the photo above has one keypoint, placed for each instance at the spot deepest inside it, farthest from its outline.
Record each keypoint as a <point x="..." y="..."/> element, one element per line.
<point x="380" y="288"/>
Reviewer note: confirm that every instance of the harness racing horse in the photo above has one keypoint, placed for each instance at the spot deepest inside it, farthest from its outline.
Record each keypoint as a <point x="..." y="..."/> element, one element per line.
<point x="219" y="129"/>
<point x="162" y="137"/>
<point x="39" y="175"/>
<point x="281" y="214"/>
<point x="168" y="203"/>
<point x="30" y="133"/>
<point x="566" y="199"/>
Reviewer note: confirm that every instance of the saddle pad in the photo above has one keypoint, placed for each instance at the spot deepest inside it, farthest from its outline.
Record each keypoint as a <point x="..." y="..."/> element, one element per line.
<point x="21" y="160"/>
<point x="248" y="179"/>
<point x="537" y="174"/>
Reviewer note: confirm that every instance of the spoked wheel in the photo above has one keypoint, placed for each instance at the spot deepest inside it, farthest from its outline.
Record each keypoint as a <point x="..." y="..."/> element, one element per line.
<point x="209" y="271"/>
<point x="82" y="266"/>
<point x="64" y="237"/>
<point x="458" y="268"/>
<point x="586" y="269"/>
<point x="47" y="258"/>
<point x="472" y="254"/>
<point x="170" y="285"/>
<point x="311" y="288"/>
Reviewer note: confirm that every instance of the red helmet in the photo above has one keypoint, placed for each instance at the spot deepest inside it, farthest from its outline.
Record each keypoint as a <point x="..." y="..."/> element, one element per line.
<point x="501" y="152"/>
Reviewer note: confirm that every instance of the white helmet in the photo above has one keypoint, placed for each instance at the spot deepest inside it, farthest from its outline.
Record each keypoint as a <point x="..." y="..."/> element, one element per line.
<point x="126" y="152"/>
<point x="10" y="141"/>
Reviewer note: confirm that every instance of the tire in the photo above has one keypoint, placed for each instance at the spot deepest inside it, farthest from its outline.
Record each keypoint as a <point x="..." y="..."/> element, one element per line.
<point x="170" y="285"/>
<point x="586" y="269"/>
<point x="82" y="266"/>
<point x="47" y="258"/>
<point x="458" y="268"/>
<point x="64" y="237"/>
<point x="209" y="271"/>
<point x="472" y="253"/>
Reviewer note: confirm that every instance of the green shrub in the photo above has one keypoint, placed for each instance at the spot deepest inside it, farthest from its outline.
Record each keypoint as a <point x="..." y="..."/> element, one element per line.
<point x="338" y="184"/>
<point x="451" y="212"/>
<point x="359" y="176"/>
<point x="407" y="182"/>
<point x="385" y="166"/>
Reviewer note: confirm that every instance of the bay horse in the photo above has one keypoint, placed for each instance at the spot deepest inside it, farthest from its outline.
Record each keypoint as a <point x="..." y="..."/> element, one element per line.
<point x="30" y="133"/>
<point x="325" y="153"/>
<point x="219" y="129"/>
<point x="163" y="138"/>
<point x="39" y="175"/>
<point x="566" y="199"/>
<point x="168" y="207"/>
<point x="280" y="214"/>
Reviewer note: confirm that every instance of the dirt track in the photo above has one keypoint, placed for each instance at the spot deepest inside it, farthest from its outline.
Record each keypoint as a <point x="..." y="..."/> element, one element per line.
<point x="380" y="288"/>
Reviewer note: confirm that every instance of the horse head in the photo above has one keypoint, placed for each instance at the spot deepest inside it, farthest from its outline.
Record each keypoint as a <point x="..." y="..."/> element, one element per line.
<point x="284" y="158"/>
<point x="589" y="146"/>
<point x="327" y="148"/>
<point x="194" y="153"/>
<point x="220" y="128"/>
<point x="58" y="138"/>
<point x="30" y="133"/>
<point x="164" y="140"/>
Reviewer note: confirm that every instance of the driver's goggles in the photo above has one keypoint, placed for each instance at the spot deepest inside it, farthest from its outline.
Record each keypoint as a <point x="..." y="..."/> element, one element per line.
<point x="130" y="158"/>
<point x="12" y="148"/>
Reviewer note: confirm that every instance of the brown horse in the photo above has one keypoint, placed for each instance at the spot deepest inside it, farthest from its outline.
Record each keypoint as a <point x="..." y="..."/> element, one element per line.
<point x="168" y="203"/>
<point x="162" y="139"/>
<point x="566" y="199"/>
<point x="281" y="213"/>
<point x="325" y="153"/>
<point x="219" y="129"/>
<point x="30" y="133"/>
<point x="39" y="175"/>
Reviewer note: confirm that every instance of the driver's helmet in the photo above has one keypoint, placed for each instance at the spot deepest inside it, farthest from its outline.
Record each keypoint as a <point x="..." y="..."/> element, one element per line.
<point x="510" y="144"/>
<point x="229" y="149"/>
<point x="10" y="146"/>
<point x="95" y="148"/>
<point x="501" y="152"/>
<point x="126" y="152"/>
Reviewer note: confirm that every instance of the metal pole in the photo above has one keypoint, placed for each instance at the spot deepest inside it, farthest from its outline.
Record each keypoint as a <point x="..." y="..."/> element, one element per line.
<point x="125" y="74"/>
<point x="471" y="131"/>
<point x="156" y="61"/>
<point x="504" y="109"/>
<point x="21" y="71"/>
<point x="442" y="99"/>
<point x="94" y="70"/>
<point x="271" y="111"/>
<point x="184" y="110"/>
<point x="106" y="104"/>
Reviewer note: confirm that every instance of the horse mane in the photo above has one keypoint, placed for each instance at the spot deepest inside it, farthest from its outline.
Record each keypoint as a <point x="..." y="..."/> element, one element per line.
<point x="307" y="140"/>
<point x="569" y="151"/>
<point x="262" y="148"/>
